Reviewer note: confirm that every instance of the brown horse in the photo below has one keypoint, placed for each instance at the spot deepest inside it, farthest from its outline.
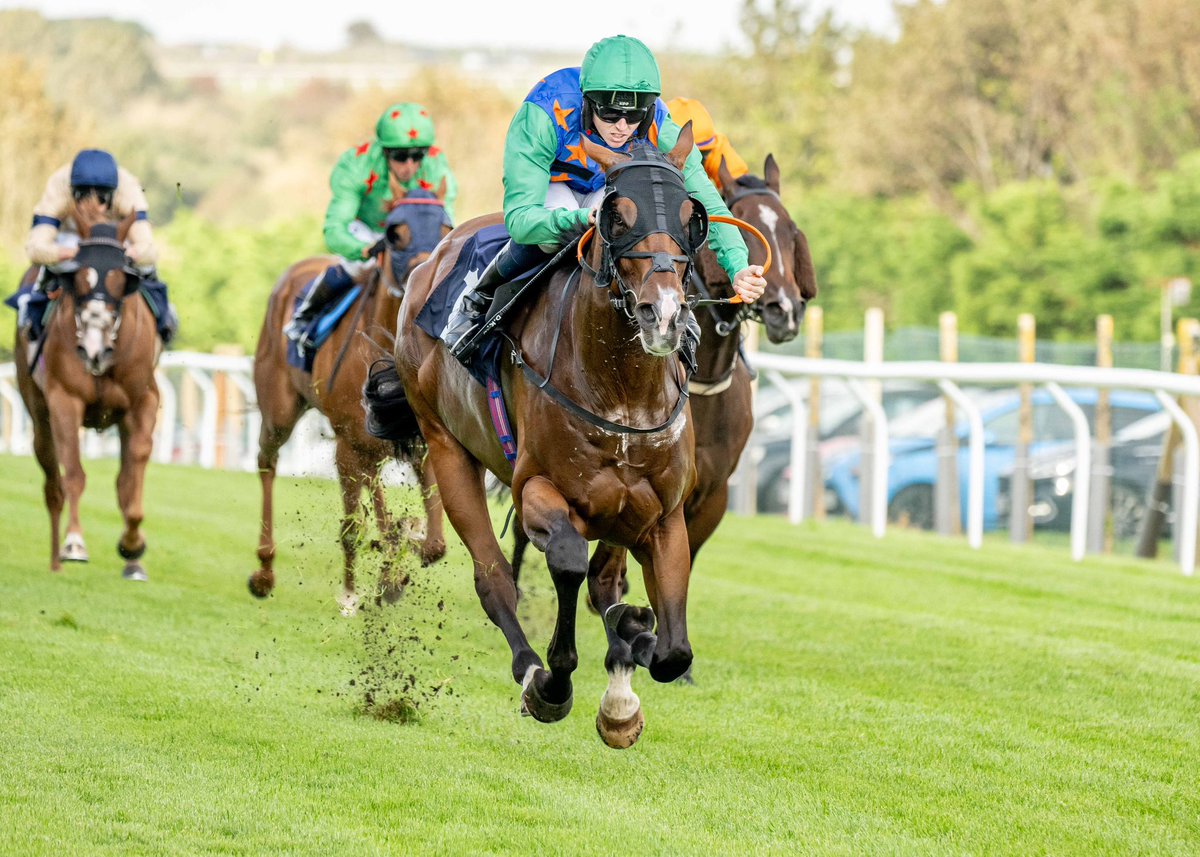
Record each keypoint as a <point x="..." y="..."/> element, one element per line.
<point x="604" y="444"/>
<point x="335" y="389"/>
<point x="94" y="369"/>
<point x="721" y="393"/>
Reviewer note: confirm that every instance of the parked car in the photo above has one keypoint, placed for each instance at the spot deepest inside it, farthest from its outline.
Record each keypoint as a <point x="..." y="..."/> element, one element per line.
<point x="1133" y="457"/>
<point x="840" y="428"/>
<point x="913" y="465"/>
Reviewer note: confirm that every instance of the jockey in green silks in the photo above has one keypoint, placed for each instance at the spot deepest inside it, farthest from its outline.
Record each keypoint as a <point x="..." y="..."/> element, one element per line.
<point x="402" y="157"/>
<point x="551" y="187"/>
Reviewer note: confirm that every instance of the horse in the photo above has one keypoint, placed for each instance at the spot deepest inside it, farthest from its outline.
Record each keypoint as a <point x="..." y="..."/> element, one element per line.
<point x="93" y="367"/>
<point x="334" y="387"/>
<point x="721" y="388"/>
<point x="604" y="445"/>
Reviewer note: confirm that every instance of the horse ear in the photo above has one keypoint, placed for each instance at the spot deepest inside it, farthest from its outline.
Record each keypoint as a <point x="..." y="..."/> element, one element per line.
<point x="606" y="158"/>
<point x="771" y="173"/>
<point x="806" y="277"/>
<point x="124" y="226"/>
<point x="725" y="178"/>
<point x="683" y="146"/>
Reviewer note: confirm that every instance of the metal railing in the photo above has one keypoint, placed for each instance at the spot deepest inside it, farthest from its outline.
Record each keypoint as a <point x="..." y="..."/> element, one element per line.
<point x="948" y="376"/>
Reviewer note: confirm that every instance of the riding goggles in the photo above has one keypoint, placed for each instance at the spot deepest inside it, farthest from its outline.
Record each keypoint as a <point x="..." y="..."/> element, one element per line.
<point x="416" y="153"/>
<point x="607" y="113"/>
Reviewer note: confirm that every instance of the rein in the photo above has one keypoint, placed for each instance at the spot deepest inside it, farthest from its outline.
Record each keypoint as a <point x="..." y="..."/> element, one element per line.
<point x="543" y="383"/>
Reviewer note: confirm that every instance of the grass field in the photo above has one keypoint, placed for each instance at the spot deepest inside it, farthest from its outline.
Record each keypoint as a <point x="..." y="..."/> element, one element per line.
<point x="853" y="696"/>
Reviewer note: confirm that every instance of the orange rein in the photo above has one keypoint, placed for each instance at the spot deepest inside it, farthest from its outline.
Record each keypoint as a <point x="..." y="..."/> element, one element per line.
<point x="715" y="218"/>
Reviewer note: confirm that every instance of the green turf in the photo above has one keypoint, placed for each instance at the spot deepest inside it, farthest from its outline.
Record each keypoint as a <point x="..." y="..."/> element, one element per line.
<point x="853" y="696"/>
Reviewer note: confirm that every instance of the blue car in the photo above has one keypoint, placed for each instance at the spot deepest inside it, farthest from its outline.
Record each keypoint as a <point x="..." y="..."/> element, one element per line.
<point x="912" y="470"/>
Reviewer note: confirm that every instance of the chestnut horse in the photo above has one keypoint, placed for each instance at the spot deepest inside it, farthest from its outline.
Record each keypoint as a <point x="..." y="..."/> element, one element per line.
<point x="334" y="388"/>
<point x="595" y="395"/>
<point x="721" y="394"/>
<point x="94" y="369"/>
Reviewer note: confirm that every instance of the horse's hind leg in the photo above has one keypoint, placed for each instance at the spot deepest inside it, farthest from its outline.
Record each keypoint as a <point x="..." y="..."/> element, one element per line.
<point x="137" y="440"/>
<point x="391" y="580"/>
<point x="434" y="546"/>
<point x="666" y="569"/>
<point x="607" y="582"/>
<point x="354" y="474"/>
<point x="281" y="410"/>
<point x="547" y="520"/>
<point x="460" y="482"/>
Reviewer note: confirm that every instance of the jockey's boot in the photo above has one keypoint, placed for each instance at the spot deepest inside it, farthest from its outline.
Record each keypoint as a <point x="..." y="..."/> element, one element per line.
<point x="329" y="285"/>
<point x="472" y="305"/>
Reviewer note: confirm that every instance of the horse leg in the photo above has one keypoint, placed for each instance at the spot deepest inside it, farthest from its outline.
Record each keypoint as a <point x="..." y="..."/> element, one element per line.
<point x="631" y="640"/>
<point x="277" y="425"/>
<point x="434" y="546"/>
<point x="665" y="567"/>
<point x="66" y="418"/>
<point x="520" y="542"/>
<point x="137" y="440"/>
<point x="353" y="476"/>
<point x="460" y="481"/>
<point x="391" y="582"/>
<point x="703" y="515"/>
<point x="607" y="583"/>
<point x="47" y="457"/>
<point x="547" y="520"/>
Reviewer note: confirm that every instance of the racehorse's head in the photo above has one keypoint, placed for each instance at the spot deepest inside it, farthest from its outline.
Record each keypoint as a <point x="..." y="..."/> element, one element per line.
<point x="100" y="278"/>
<point x="791" y="282"/>
<point x="649" y="229"/>
<point x="416" y="223"/>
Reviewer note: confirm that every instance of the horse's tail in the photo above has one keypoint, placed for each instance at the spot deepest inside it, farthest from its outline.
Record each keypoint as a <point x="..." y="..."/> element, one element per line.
<point x="389" y="416"/>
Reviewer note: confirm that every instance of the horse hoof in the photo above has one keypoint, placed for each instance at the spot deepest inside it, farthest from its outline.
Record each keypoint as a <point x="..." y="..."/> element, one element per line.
<point x="620" y="734"/>
<point x="532" y="704"/>
<point x="260" y="585"/>
<point x="73" y="549"/>
<point x="390" y="593"/>
<point x="134" y="571"/>
<point x="431" y="553"/>
<point x="348" y="602"/>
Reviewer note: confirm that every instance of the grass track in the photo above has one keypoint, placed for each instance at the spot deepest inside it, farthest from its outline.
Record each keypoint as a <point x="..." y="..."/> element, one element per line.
<point x="853" y="696"/>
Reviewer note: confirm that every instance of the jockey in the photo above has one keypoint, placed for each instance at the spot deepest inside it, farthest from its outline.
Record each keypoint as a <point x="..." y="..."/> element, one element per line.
<point x="551" y="187"/>
<point x="401" y="155"/>
<point x="54" y="239"/>
<point x="713" y="146"/>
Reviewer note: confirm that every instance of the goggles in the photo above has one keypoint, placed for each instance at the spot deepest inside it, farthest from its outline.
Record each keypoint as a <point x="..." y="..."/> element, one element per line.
<point x="416" y="154"/>
<point x="608" y="113"/>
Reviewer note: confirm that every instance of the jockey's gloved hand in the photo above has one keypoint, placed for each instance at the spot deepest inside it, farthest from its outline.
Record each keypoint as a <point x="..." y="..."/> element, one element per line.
<point x="375" y="249"/>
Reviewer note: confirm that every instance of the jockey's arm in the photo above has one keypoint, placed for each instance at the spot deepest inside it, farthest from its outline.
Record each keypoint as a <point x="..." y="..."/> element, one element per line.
<point x="725" y="240"/>
<point x="343" y="210"/>
<point x="130" y="198"/>
<point x="42" y="244"/>
<point x="529" y="150"/>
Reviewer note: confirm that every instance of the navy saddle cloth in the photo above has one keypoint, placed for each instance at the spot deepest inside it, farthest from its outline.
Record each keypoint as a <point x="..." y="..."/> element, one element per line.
<point x="480" y="249"/>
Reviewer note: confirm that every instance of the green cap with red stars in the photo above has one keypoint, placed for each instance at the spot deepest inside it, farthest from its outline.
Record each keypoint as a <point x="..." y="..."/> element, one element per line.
<point x="404" y="126"/>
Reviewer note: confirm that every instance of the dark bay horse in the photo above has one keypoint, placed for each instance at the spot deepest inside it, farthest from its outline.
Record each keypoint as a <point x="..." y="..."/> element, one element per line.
<point x="721" y="392"/>
<point x="94" y="369"/>
<point x="595" y="395"/>
<point x="334" y="387"/>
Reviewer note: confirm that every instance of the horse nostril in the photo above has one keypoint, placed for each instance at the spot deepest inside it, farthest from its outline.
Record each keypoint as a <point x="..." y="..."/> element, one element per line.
<point x="648" y="314"/>
<point x="800" y="313"/>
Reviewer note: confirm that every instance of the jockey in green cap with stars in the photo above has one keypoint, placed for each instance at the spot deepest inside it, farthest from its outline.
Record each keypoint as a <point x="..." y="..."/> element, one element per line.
<point x="367" y="178"/>
<point x="551" y="187"/>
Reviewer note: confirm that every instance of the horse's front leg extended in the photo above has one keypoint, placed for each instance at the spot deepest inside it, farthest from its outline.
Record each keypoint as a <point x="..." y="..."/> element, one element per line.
<point x="434" y="546"/>
<point x="66" y="418"/>
<point x="137" y="440"/>
<point x="548" y="524"/>
<point x="666" y="568"/>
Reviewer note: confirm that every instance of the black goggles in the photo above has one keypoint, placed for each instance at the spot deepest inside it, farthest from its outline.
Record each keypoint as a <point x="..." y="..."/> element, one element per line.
<point x="400" y="155"/>
<point x="103" y="194"/>
<point x="631" y="115"/>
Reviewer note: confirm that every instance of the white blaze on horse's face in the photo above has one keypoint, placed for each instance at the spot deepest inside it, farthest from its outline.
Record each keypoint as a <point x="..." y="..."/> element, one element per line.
<point x="95" y="330"/>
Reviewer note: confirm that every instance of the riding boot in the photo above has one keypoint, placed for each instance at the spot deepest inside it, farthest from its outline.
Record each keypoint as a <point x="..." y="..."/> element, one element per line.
<point x="329" y="284"/>
<point x="471" y="308"/>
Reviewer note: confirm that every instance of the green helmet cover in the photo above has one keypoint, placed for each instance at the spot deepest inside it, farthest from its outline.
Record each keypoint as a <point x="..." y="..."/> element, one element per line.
<point x="620" y="64"/>
<point x="404" y="126"/>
